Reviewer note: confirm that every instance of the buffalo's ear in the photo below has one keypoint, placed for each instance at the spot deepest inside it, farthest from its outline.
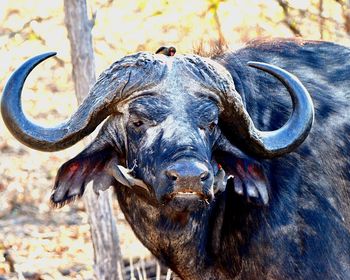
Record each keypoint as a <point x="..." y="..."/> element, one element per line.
<point x="249" y="178"/>
<point x="73" y="175"/>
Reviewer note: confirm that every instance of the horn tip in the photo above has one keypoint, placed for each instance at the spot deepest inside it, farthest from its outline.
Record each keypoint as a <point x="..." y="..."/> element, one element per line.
<point x="49" y="54"/>
<point x="255" y="64"/>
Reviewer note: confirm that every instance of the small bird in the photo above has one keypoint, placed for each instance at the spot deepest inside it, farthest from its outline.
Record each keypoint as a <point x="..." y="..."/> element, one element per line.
<point x="168" y="51"/>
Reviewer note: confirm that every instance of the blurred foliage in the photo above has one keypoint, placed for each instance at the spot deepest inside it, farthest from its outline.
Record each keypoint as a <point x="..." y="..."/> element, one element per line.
<point x="30" y="27"/>
<point x="121" y="27"/>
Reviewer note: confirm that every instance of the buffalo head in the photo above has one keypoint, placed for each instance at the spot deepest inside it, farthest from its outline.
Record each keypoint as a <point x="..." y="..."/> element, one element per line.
<point x="166" y="119"/>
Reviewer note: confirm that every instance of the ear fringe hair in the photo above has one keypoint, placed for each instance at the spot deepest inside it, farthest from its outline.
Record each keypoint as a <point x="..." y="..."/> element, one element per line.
<point x="58" y="205"/>
<point x="66" y="200"/>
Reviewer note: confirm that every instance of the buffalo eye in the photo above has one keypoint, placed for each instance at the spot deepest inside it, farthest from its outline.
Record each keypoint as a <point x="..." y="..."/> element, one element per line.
<point x="138" y="123"/>
<point x="209" y="126"/>
<point x="212" y="125"/>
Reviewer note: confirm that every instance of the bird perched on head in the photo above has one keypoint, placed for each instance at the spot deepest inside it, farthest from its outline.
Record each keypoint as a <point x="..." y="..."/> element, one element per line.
<point x="169" y="51"/>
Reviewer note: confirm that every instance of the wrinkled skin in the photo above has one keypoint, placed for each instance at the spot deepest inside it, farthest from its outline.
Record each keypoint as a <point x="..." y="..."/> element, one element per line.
<point x="207" y="207"/>
<point x="180" y="133"/>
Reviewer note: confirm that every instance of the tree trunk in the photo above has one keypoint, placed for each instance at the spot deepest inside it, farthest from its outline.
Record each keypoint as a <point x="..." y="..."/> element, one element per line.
<point x="107" y="255"/>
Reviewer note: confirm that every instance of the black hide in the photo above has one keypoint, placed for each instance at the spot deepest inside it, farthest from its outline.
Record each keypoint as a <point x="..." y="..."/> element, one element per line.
<point x="304" y="232"/>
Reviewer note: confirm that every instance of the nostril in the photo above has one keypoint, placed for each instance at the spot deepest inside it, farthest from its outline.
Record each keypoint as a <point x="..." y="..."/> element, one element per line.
<point x="204" y="176"/>
<point x="172" y="175"/>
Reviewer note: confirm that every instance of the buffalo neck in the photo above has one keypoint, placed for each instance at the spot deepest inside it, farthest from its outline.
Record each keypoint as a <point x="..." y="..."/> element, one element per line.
<point x="194" y="244"/>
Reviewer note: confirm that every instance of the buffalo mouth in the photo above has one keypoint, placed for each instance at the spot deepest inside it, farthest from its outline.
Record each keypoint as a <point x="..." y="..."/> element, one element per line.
<point x="192" y="197"/>
<point x="187" y="200"/>
<point x="189" y="194"/>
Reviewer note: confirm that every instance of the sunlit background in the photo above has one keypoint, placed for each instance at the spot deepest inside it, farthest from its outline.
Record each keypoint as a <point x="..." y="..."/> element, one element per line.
<point x="55" y="244"/>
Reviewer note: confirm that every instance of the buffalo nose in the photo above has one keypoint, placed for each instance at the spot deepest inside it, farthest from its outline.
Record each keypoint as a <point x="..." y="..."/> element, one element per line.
<point x="187" y="185"/>
<point x="187" y="171"/>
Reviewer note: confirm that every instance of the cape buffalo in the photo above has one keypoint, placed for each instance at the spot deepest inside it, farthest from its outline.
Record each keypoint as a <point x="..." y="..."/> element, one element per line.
<point x="219" y="172"/>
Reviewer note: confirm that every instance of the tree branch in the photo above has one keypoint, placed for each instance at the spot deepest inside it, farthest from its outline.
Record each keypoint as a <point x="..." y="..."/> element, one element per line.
<point x="287" y="18"/>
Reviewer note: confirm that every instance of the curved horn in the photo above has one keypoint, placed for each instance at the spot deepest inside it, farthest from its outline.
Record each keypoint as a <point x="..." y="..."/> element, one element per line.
<point x="269" y="144"/>
<point x="83" y="122"/>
